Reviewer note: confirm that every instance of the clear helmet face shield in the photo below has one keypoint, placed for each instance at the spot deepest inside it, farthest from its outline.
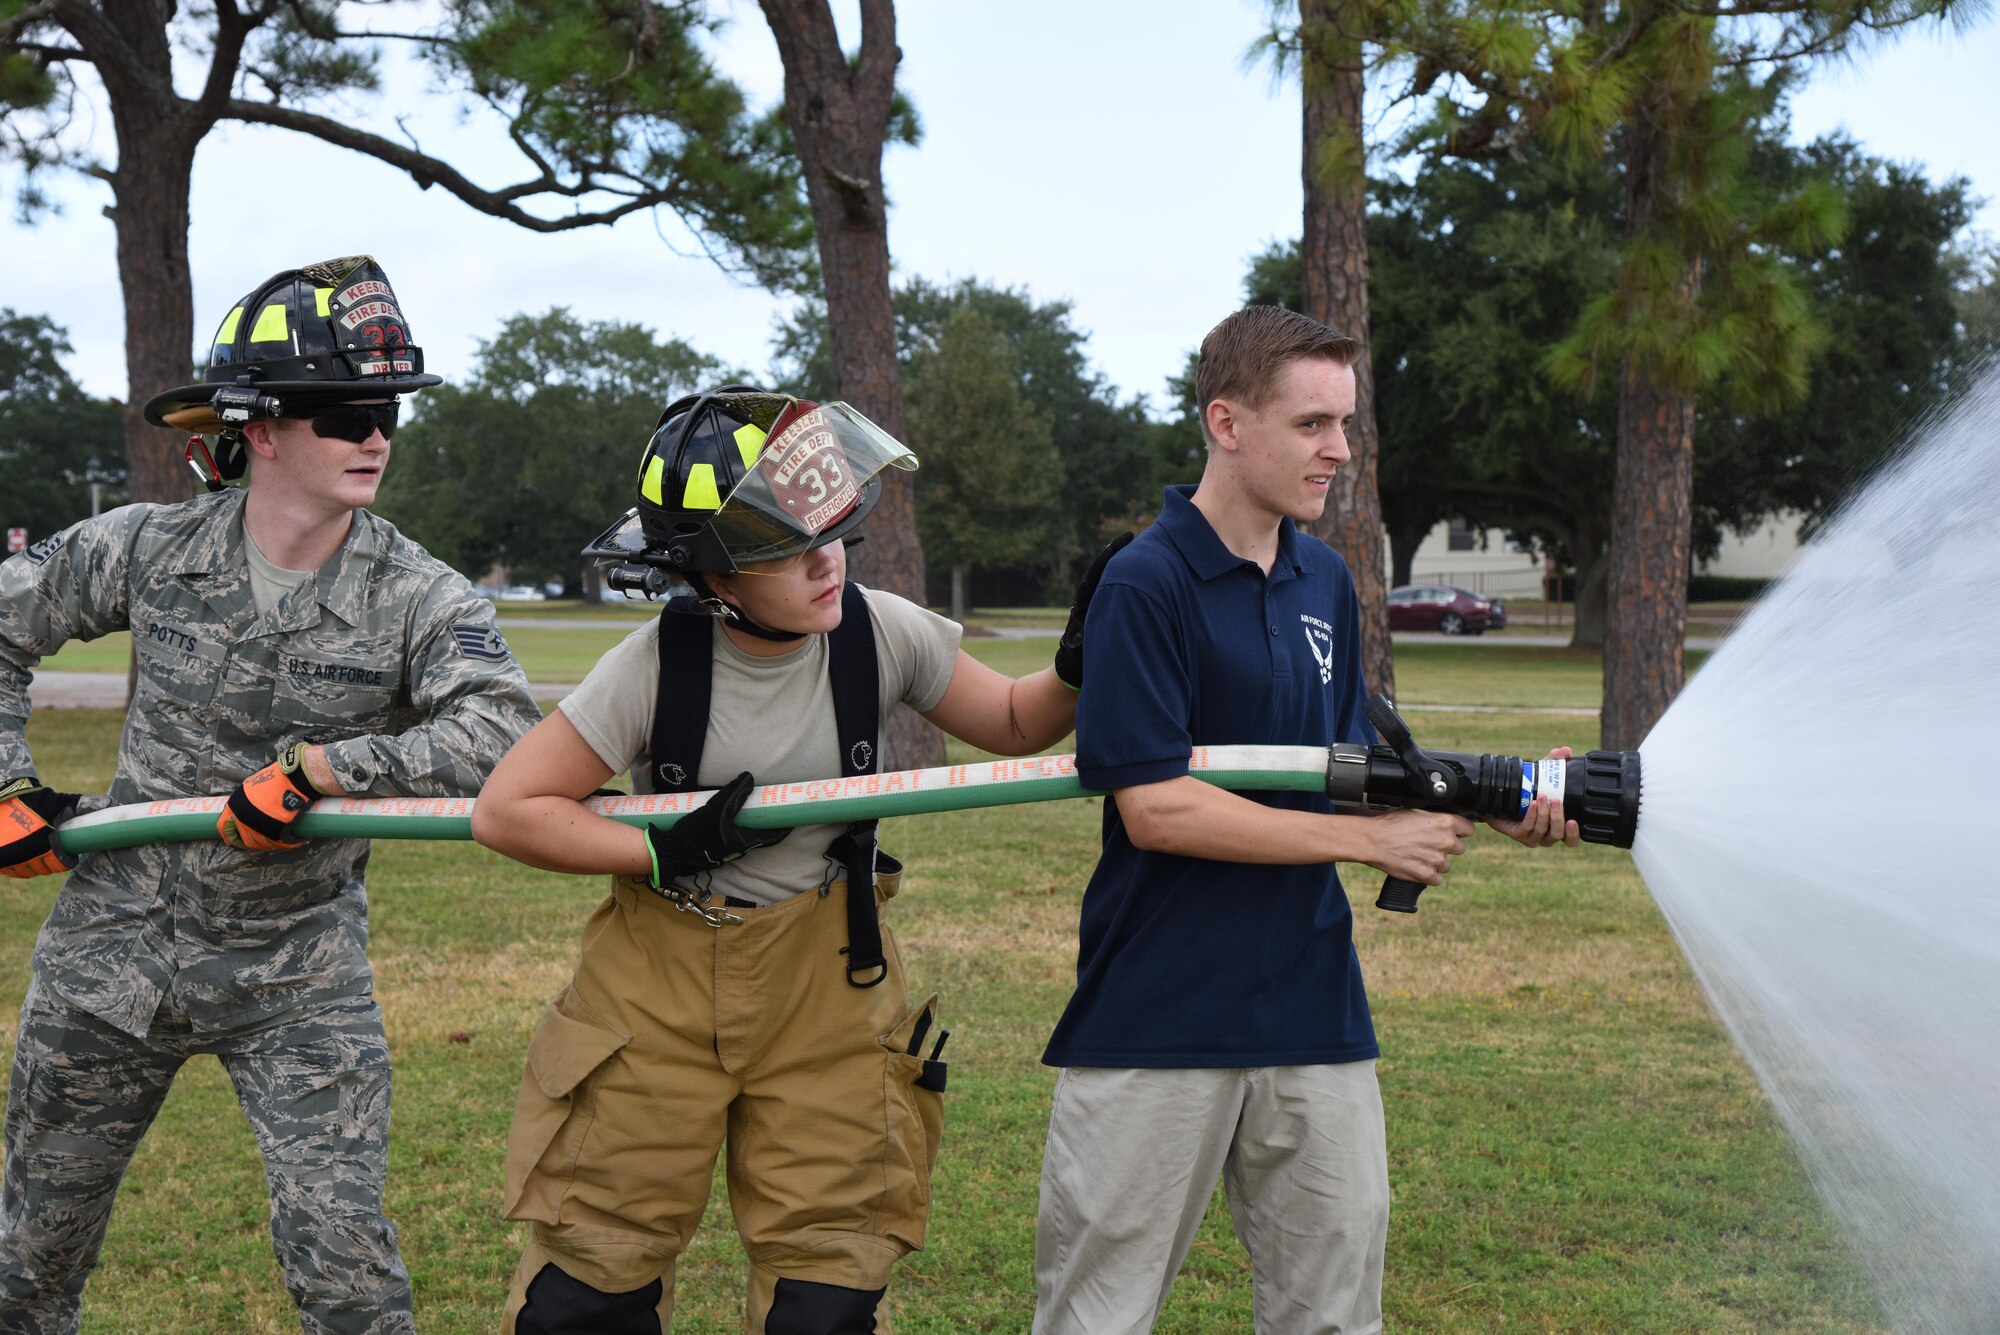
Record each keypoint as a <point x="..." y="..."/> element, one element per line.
<point x="807" y="470"/>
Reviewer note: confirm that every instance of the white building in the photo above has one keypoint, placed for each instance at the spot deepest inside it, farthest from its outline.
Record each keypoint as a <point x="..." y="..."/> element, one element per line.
<point x="1453" y="553"/>
<point x="1765" y="553"/>
<point x="1488" y="563"/>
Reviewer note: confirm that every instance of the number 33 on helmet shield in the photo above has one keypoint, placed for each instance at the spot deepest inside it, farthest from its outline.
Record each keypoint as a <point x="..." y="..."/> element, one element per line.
<point x="743" y="480"/>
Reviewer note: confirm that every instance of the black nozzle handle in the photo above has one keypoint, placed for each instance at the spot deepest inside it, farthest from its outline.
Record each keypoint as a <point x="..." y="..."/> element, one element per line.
<point x="1399" y="895"/>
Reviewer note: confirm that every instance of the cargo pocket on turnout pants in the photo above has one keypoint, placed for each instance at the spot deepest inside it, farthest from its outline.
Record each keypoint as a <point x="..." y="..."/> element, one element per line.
<point x="554" y="1109"/>
<point x="913" y="1096"/>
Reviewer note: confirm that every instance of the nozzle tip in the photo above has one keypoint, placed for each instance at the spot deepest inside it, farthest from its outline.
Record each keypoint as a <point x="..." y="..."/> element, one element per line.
<point x="1601" y="794"/>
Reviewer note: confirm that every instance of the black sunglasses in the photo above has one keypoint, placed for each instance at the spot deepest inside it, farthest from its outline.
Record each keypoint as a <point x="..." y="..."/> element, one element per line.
<point x="356" y="421"/>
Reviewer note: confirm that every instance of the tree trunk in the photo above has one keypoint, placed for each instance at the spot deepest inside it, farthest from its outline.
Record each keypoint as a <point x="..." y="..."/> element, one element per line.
<point x="150" y="216"/>
<point x="839" y="114"/>
<point x="1334" y="253"/>
<point x="157" y="133"/>
<point x="1403" y="554"/>
<point x="1652" y="526"/>
<point x="958" y="593"/>
<point x="1592" y="572"/>
<point x="1652" y="511"/>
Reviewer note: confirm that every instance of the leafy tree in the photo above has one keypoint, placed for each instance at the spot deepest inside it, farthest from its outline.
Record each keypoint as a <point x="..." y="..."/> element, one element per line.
<point x="1099" y="442"/>
<point x="536" y="451"/>
<point x="612" y="105"/>
<point x="1703" y="294"/>
<point x="1889" y="299"/>
<point x="987" y="492"/>
<point x="55" y="439"/>
<point x="1180" y="451"/>
<point x="1481" y="267"/>
<point x="1104" y="446"/>
<point x="1979" y="307"/>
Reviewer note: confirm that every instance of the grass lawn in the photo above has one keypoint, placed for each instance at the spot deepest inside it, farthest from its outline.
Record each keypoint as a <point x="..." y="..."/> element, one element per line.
<point x="1574" y="1144"/>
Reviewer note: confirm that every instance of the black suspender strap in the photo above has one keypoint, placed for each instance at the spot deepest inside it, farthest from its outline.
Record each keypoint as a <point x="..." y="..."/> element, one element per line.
<point x="680" y="709"/>
<point x="857" y="714"/>
<point x="680" y="731"/>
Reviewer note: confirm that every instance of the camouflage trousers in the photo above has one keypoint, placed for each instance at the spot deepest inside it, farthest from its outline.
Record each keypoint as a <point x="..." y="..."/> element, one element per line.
<point x="314" y="1084"/>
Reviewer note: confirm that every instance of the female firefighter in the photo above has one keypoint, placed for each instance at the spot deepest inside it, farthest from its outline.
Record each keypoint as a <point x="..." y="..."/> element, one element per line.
<point x="736" y="987"/>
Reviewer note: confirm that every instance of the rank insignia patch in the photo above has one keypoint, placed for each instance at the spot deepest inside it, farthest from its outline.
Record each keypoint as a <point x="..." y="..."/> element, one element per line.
<point x="477" y="641"/>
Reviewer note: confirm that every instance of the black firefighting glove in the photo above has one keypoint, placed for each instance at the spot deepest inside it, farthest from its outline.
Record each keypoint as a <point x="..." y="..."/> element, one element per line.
<point x="29" y="813"/>
<point x="708" y="836"/>
<point x="1069" y="650"/>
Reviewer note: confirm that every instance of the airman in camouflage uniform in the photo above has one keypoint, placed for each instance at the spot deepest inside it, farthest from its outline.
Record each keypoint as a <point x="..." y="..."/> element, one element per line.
<point x="392" y="668"/>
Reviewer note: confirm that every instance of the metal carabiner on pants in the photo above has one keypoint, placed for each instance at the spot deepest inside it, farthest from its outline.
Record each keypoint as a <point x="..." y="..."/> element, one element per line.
<point x="696" y="902"/>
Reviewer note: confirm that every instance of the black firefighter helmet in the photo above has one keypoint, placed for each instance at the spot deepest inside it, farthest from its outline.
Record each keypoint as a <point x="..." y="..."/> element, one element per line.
<point x="301" y="341"/>
<point x="740" y="476"/>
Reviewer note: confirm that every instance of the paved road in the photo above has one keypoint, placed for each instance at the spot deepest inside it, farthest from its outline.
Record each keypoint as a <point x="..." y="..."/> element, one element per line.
<point x="573" y="623"/>
<point x="1515" y="641"/>
<point x="106" y="690"/>
<point x="1527" y="641"/>
<point x="1407" y="637"/>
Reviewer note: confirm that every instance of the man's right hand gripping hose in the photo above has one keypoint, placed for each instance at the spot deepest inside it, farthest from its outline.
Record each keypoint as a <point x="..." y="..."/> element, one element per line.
<point x="708" y="836"/>
<point x="29" y="814"/>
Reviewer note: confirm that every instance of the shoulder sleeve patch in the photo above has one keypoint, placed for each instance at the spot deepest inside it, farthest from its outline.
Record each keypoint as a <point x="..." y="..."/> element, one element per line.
<point x="480" y="641"/>
<point x="47" y="547"/>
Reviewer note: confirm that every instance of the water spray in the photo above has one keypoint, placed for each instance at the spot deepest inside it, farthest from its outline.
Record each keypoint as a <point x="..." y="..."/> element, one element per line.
<point x="1848" y="933"/>
<point x="1600" y="792"/>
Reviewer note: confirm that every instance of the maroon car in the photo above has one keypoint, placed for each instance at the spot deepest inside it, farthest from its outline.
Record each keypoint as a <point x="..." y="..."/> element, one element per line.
<point x="1444" y="608"/>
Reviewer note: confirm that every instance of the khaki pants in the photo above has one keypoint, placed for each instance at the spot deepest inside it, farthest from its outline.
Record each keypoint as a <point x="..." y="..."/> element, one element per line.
<point x="1130" y="1166"/>
<point x="676" y="1037"/>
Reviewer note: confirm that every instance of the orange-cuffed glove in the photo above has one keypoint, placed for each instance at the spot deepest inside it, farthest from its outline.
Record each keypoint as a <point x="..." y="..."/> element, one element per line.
<point x="263" y="807"/>
<point x="29" y="814"/>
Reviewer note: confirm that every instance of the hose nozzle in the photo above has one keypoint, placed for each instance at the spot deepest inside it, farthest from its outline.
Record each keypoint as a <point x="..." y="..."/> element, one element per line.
<point x="1600" y="792"/>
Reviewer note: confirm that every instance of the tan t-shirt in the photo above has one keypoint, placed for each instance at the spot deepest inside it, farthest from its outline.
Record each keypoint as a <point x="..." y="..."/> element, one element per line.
<point x="771" y="716"/>
<point x="269" y="583"/>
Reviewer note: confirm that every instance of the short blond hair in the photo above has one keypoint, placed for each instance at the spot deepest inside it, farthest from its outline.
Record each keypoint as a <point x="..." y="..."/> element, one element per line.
<point x="1243" y="356"/>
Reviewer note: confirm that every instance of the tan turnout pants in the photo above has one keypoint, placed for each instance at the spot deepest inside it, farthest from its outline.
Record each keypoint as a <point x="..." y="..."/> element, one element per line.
<point x="675" y="1038"/>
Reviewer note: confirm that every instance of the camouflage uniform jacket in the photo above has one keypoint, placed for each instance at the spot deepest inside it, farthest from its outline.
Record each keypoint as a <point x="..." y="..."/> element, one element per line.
<point x="387" y="658"/>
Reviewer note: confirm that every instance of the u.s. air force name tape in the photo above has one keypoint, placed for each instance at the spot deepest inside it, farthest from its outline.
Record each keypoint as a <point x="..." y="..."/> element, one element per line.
<point x="988" y="783"/>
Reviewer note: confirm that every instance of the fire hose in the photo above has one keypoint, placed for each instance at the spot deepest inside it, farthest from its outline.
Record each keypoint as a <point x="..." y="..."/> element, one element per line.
<point x="1600" y="791"/>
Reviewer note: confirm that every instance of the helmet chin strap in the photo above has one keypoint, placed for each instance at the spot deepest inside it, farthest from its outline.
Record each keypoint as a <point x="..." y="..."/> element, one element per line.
<point x="735" y="617"/>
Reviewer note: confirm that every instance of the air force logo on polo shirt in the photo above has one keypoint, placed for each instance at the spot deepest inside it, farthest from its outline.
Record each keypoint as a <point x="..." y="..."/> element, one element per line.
<point x="477" y="641"/>
<point x="1319" y="639"/>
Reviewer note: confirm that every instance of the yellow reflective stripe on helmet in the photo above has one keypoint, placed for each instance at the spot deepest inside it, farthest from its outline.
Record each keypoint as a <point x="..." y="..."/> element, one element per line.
<point x="271" y="326"/>
<point x="651" y="479"/>
<point x="749" y="440"/>
<point x="700" y="493"/>
<point x="321" y="296"/>
<point x="227" y="334"/>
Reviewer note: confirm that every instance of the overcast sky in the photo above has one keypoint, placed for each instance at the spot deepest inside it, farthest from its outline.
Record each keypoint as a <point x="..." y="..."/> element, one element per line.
<point x="1115" y="155"/>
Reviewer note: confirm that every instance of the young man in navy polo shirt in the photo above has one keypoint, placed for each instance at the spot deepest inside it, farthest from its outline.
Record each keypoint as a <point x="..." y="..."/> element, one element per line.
<point x="1219" y="1025"/>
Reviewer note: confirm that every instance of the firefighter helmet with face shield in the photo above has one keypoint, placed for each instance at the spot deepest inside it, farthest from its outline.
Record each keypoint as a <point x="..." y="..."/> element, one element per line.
<point x="743" y="480"/>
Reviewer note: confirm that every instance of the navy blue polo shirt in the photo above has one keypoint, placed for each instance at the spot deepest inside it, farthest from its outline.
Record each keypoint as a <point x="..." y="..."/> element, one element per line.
<point x="1186" y="962"/>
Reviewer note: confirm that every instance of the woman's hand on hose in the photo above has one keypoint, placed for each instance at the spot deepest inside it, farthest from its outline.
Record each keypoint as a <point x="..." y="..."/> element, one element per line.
<point x="709" y="836"/>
